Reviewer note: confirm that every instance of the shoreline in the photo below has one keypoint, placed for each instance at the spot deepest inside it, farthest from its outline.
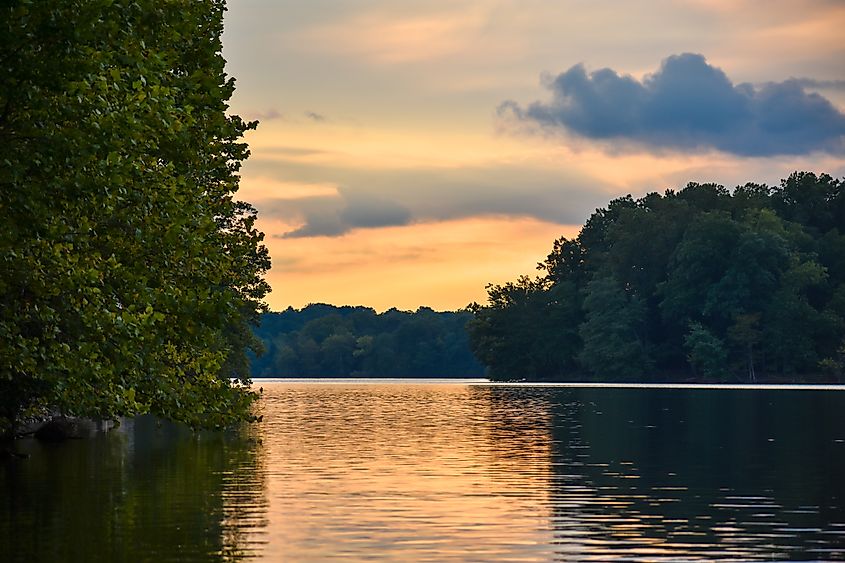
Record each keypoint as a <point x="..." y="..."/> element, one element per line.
<point x="562" y="384"/>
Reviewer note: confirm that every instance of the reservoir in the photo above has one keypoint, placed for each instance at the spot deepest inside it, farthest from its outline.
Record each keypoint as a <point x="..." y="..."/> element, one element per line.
<point x="446" y="470"/>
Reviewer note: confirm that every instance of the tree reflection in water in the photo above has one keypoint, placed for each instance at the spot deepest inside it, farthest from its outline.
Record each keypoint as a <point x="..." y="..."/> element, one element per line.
<point x="669" y="473"/>
<point x="143" y="492"/>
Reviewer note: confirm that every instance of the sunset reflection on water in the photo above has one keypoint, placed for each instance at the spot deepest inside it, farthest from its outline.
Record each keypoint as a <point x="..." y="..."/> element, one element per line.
<point x="450" y="472"/>
<point x="408" y="472"/>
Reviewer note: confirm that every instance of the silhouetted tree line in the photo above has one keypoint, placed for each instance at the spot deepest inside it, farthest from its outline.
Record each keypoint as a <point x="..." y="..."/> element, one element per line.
<point x="701" y="283"/>
<point x="328" y="341"/>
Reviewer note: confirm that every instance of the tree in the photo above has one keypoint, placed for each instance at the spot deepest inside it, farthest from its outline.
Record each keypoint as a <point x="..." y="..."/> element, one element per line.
<point x="129" y="273"/>
<point x="323" y="340"/>
<point x="565" y="263"/>
<point x="817" y="202"/>
<point x="612" y="332"/>
<point x="792" y="328"/>
<point x="516" y="332"/>
<point x="699" y="262"/>
<point x="707" y="354"/>
<point x="745" y="331"/>
<point x="752" y="280"/>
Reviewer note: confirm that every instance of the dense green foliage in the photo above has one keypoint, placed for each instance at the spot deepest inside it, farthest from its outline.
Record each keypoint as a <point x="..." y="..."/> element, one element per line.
<point x="128" y="273"/>
<point x="328" y="341"/>
<point x="702" y="283"/>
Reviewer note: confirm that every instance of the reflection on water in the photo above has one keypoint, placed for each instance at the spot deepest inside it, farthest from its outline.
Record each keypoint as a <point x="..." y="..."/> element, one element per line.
<point x="700" y="474"/>
<point x="142" y="492"/>
<point x="446" y="472"/>
<point x="406" y="472"/>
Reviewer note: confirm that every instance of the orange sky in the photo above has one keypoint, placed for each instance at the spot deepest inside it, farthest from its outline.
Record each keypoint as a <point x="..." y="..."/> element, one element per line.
<point x="446" y="263"/>
<point x="385" y="176"/>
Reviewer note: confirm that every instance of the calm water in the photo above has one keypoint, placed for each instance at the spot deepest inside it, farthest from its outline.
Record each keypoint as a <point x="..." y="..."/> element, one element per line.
<point x="449" y="472"/>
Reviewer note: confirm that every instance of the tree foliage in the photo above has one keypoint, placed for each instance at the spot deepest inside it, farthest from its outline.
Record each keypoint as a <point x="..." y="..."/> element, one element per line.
<point x="701" y="283"/>
<point x="614" y="343"/>
<point x="129" y="272"/>
<point x="327" y="341"/>
<point x="707" y="354"/>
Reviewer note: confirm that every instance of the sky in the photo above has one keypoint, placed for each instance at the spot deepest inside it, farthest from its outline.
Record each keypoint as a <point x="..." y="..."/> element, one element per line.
<point x="410" y="153"/>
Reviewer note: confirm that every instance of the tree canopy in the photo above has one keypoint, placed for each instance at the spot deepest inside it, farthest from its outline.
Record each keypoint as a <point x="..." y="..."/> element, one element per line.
<point x="701" y="283"/>
<point x="327" y="341"/>
<point x="129" y="274"/>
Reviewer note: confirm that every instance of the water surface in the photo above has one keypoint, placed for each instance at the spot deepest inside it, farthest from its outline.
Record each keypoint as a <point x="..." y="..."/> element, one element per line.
<point x="445" y="471"/>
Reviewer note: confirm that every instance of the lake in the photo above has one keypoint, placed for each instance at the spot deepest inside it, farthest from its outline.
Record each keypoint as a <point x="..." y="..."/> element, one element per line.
<point x="448" y="471"/>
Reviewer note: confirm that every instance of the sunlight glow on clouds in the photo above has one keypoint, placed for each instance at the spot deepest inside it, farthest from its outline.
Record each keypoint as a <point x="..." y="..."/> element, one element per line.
<point x="383" y="175"/>
<point x="262" y="186"/>
<point x="445" y="263"/>
<point x="390" y="39"/>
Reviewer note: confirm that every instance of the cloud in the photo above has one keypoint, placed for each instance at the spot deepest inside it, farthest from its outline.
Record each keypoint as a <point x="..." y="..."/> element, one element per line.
<point x="687" y="105"/>
<point x="293" y="152"/>
<point x="820" y="84"/>
<point x="287" y="189"/>
<point x="384" y="37"/>
<point x="373" y="212"/>
<point x="375" y="199"/>
<point x="314" y="116"/>
<point x="267" y="115"/>
<point x="330" y="216"/>
<point x="273" y="114"/>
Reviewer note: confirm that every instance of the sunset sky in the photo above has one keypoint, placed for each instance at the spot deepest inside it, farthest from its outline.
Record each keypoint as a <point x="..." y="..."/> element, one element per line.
<point x="411" y="152"/>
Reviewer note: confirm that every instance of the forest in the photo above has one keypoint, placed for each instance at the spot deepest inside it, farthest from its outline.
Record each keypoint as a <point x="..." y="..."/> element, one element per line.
<point x="327" y="341"/>
<point x="699" y="284"/>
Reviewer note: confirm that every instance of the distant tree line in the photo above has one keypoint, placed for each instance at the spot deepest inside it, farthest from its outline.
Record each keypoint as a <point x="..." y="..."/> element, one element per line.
<point x="327" y="341"/>
<point x="697" y="284"/>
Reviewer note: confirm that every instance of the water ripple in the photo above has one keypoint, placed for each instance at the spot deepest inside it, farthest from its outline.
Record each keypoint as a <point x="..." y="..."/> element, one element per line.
<point x="445" y="472"/>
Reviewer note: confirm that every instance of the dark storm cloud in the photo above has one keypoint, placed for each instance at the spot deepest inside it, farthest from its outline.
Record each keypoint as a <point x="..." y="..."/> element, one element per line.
<point x="688" y="104"/>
